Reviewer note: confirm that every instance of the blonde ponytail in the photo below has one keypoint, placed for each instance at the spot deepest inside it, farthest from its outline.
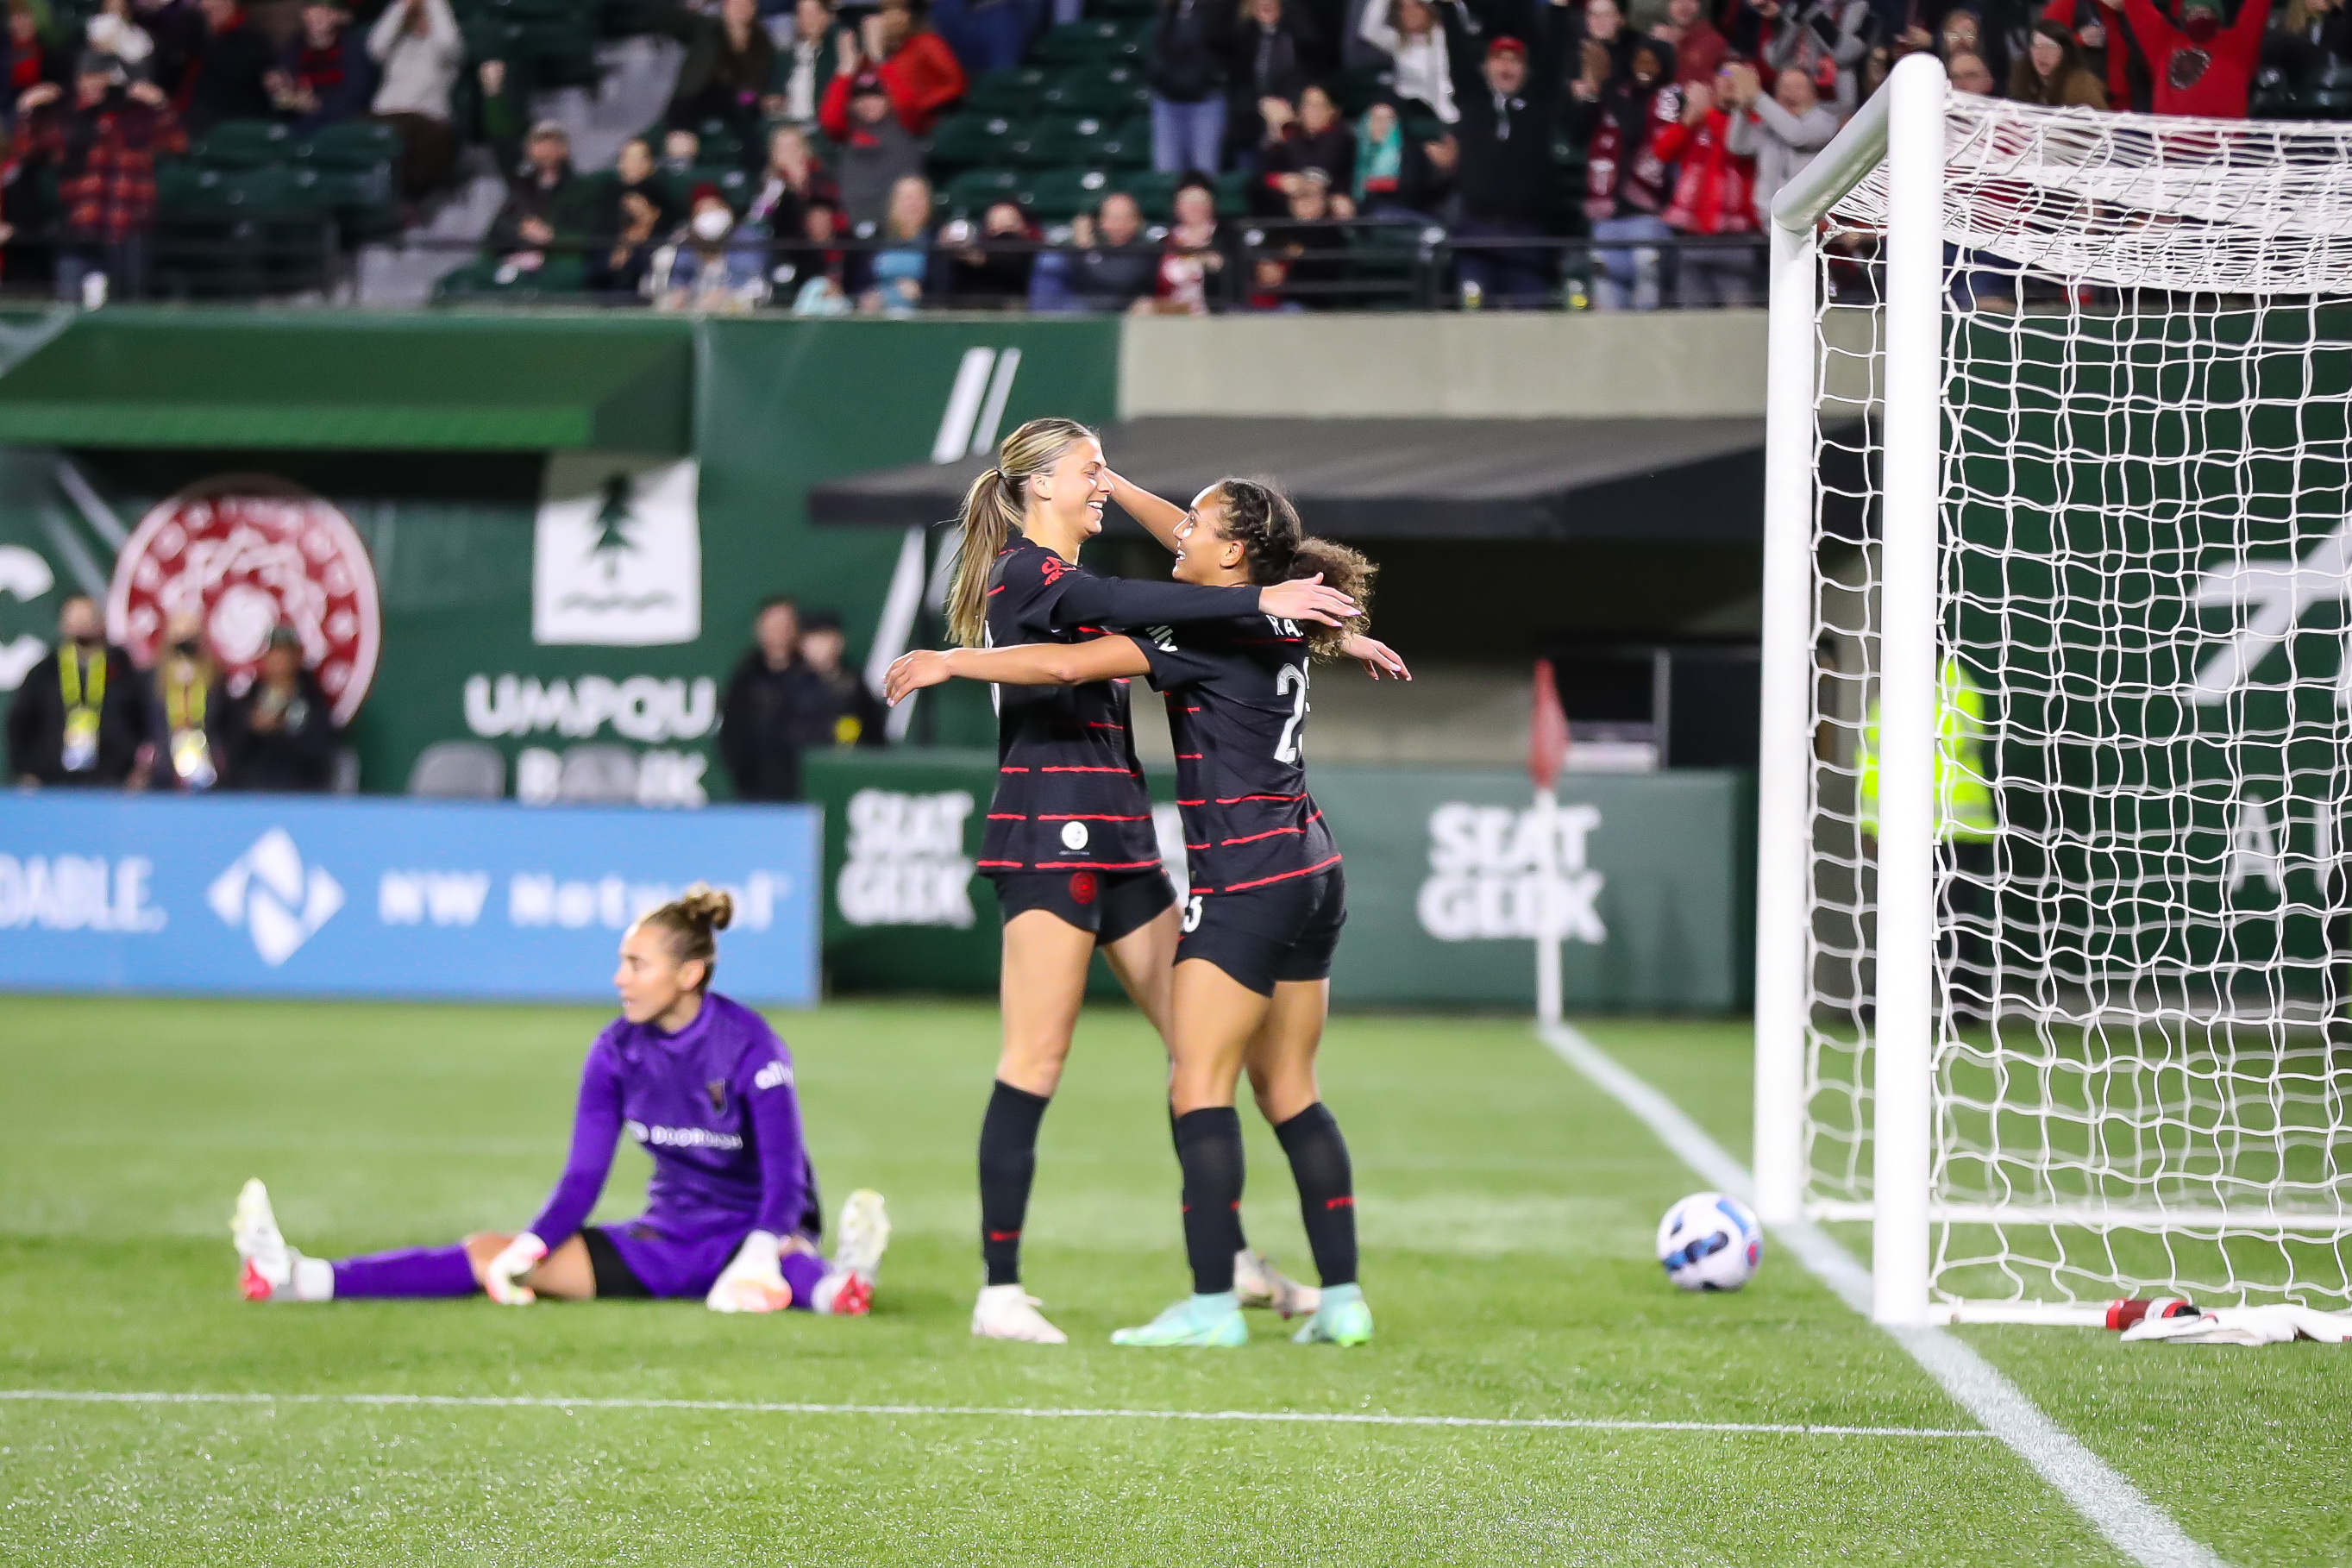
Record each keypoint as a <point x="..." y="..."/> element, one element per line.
<point x="691" y="922"/>
<point x="992" y="509"/>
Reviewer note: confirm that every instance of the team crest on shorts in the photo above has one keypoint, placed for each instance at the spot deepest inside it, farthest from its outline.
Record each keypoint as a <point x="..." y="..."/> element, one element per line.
<point x="717" y="1089"/>
<point x="1083" y="886"/>
<point x="249" y="554"/>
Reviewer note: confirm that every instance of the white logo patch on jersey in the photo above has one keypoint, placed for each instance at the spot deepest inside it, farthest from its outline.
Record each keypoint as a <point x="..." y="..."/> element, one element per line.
<point x="772" y="1075"/>
<point x="1074" y="836"/>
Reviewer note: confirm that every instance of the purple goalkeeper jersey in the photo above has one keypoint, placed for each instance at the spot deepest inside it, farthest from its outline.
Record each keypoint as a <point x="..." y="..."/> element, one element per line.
<point x="715" y="1106"/>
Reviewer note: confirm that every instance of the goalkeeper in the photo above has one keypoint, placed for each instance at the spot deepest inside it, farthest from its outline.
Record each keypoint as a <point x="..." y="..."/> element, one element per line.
<point x="732" y="1215"/>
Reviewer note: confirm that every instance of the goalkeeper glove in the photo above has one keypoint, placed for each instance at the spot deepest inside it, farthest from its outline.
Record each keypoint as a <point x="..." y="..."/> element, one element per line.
<point x="754" y="1282"/>
<point x="503" y="1279"/>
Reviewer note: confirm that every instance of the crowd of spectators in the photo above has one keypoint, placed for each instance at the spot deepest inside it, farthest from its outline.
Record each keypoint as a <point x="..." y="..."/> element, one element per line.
<point x="1627" y="146"/>
<point x="87" y="716"/>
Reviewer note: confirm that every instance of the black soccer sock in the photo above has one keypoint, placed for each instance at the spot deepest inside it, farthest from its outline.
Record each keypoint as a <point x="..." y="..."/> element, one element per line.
<point x="1209" y="1148"/>
<point x="1241" y="1237"/>
<point x="1008" y="1163"/>
<point x="1326" y="1190"/>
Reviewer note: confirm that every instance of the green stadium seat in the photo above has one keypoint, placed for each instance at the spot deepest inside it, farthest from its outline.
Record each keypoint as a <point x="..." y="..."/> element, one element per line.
<point x="970" y="194"/>
<point x="243" y="144"/>
<point x="1012" y="93"/>
<point x="1091" y="140"/>
<point x="355" y="145"/>
<point x="1106" y="41"/>
<point x="1056" y="195"/>
<point x="719" y="143"/>
<point x="1233" y="194"/>
<point x="560" y="276"/>
<point x="969" y="139"/>
<point x="1118" y="92"/>
<point x="1359" y="87"/>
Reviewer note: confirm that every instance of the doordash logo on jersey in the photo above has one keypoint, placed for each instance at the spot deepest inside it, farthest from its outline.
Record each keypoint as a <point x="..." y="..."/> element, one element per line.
<point x="1499" y="872"/>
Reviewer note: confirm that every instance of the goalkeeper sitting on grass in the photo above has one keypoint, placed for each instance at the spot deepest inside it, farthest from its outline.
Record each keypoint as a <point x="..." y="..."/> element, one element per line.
<point x="733" y="1213"/>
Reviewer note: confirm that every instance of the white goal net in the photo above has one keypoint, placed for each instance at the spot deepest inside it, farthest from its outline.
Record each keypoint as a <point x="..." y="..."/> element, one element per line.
<point x="2138" y="1067"/>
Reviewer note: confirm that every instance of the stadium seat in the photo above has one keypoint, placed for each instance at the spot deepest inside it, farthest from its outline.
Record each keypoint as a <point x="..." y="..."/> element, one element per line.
<point x="355" y="145"/>
<point x="1095" y="42"/>
<point x="1154" y="192"/>
<point x="1013" y="93"/>
<point x="732" y="182"/>
<point x="1359" y="87"/>
<point x="1056" y="195"/>
<point x="970" y="194"/>
<point x="458" y="770"/>
<point x="1088" y="139"/>
<point x="1119" y="92"/>
<point x="243" y="144"/>
<point x="972" y="140"/>
<point x="1233" y="194"/>
<point x="562" y="276"/>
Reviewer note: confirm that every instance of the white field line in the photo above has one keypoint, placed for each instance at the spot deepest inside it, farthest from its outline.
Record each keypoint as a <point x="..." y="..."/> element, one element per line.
<point x="761" y="1407"/>
<point x="2116" y="1508"/>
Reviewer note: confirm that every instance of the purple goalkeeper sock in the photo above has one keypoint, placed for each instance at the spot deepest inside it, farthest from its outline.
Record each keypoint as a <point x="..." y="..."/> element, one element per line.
<point x="414" y="1271"/>
<point x="802" y="1271"/>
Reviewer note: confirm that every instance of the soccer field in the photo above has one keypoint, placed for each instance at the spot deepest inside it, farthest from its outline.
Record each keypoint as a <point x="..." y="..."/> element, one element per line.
<point x="1507" y="1207"/>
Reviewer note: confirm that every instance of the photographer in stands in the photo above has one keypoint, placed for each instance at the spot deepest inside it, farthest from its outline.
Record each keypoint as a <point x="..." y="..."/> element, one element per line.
<point x="75" y="718"/>
<point x="279" y="735"/>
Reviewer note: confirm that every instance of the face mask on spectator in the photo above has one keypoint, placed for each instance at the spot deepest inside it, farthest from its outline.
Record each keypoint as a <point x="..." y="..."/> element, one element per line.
<point x="713" y="224"/>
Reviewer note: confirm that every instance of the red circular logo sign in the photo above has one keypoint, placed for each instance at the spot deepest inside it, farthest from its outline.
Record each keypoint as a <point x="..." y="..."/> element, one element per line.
<point x="1082" y="887"/>
<point x="248" y="554"/>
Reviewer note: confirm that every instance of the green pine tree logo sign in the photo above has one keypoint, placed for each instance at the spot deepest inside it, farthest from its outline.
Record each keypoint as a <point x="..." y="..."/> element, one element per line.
<point x="617" y="561"/>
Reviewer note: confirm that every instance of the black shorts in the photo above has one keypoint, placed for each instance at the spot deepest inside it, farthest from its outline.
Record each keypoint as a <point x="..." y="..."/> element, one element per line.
<point x="1110" y="904"/>
<point x="1263" y="936"/>
<point x="615" y="1280"/>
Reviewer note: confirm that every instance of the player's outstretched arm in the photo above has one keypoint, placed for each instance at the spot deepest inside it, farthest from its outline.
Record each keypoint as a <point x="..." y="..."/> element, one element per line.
<point x="1031" y="664"/>
<point x="1086" y="600"/>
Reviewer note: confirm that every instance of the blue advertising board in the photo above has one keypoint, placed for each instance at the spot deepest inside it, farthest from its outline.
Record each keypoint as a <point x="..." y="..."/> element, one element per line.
<point x="259" y="894"/>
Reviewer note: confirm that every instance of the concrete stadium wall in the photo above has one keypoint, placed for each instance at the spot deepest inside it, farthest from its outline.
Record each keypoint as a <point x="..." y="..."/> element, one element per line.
<point x="1491" y="365"/>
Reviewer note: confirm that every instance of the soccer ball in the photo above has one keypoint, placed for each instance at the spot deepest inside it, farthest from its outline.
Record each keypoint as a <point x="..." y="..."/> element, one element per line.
<point x="1709" y="1241"/>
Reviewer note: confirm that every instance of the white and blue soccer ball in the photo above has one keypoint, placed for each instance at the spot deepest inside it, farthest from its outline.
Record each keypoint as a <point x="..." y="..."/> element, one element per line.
<point x="1709" y="1241"/>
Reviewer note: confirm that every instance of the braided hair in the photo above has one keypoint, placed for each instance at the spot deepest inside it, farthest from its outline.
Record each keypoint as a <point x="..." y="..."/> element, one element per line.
<point x="1261" y="519"/>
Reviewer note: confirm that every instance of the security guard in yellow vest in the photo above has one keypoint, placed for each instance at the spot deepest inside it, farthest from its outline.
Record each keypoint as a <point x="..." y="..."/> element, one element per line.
<point x="1966" y="824"/>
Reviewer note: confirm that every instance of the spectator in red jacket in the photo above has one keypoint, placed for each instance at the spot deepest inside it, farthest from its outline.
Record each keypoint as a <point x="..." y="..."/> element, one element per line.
<point x="2108" y="52"/>
<point x="1715" y="194"/>
<point x="2201" y="66"/>
<point x="918" y="69"/>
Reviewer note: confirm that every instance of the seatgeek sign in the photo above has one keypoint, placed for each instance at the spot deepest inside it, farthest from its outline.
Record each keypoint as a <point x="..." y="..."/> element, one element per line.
<point x="387" y="898"/>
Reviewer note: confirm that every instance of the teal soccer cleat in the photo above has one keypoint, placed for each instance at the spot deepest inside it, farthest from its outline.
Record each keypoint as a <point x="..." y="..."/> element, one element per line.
<point x="1343" y="1319"/>
<point x="1212" y="1320"/>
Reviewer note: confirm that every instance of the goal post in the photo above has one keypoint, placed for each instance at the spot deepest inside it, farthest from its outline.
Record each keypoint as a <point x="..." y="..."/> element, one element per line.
<point x="2054" y="928"/>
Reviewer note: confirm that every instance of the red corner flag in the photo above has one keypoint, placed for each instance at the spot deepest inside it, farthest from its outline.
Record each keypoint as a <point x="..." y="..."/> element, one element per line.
<point x="1548" y="735"/>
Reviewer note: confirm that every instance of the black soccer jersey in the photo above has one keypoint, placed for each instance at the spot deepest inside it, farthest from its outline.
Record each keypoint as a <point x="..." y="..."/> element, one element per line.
<point x="1069" y="792"/>
<point x="1236" y="692"/>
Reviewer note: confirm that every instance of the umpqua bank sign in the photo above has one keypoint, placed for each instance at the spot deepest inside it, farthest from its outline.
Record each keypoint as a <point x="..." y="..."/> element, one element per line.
<point x="389" y="897"/>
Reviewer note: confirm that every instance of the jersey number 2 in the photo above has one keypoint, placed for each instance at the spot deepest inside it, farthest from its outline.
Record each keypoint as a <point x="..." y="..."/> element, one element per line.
<point x="1291" y="678"/>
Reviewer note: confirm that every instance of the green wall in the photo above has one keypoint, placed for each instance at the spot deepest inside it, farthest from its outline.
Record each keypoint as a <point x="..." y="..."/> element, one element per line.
<point x="777" y="407"/>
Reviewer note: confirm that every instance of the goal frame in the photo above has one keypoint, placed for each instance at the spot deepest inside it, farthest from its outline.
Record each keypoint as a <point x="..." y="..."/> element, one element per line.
<point x="1902" y="127"/>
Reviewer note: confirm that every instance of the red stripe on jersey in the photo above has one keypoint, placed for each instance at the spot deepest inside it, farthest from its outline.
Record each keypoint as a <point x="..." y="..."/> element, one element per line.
<point x="1013" y="770"/>
<point x="1196" y="847"/>
<point x="993" y="592"/>
<point x="1089" y="816"/>
<point x="1269" y="833"/>
<point x="1091" y="771"/>
<point x="1014" y="865"/>
<point x="1098" y="724"/>
<point x="1262" y="881"/>
<point x="1236" y="800"/>
<point x="1188" y="756"/>
<point x="1095" y="865"/>
<point x="1191" y="802"/>
<point x="1006" y="817"/>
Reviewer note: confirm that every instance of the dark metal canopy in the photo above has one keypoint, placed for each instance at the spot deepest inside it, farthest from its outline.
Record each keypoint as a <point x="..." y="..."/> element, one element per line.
<point x="1597" y="480"/>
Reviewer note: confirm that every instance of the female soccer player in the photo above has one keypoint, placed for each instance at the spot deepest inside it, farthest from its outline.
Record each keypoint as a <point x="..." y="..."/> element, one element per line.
<point x="1069" y="842"/>
<point x="1251" y="983"/>
<point x="705" y="1085"/>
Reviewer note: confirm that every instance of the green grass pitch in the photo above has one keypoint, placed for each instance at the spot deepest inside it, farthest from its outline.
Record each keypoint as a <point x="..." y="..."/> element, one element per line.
<point x="1507" y="1209"/>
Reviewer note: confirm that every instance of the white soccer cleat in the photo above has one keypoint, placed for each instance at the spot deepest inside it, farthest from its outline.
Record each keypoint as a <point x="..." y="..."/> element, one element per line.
<point x="267" y="1263"/>
<point x="848" y="1290"/>
<point x="1259" y="1283"/>
<point x="1008" y="1313"/>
